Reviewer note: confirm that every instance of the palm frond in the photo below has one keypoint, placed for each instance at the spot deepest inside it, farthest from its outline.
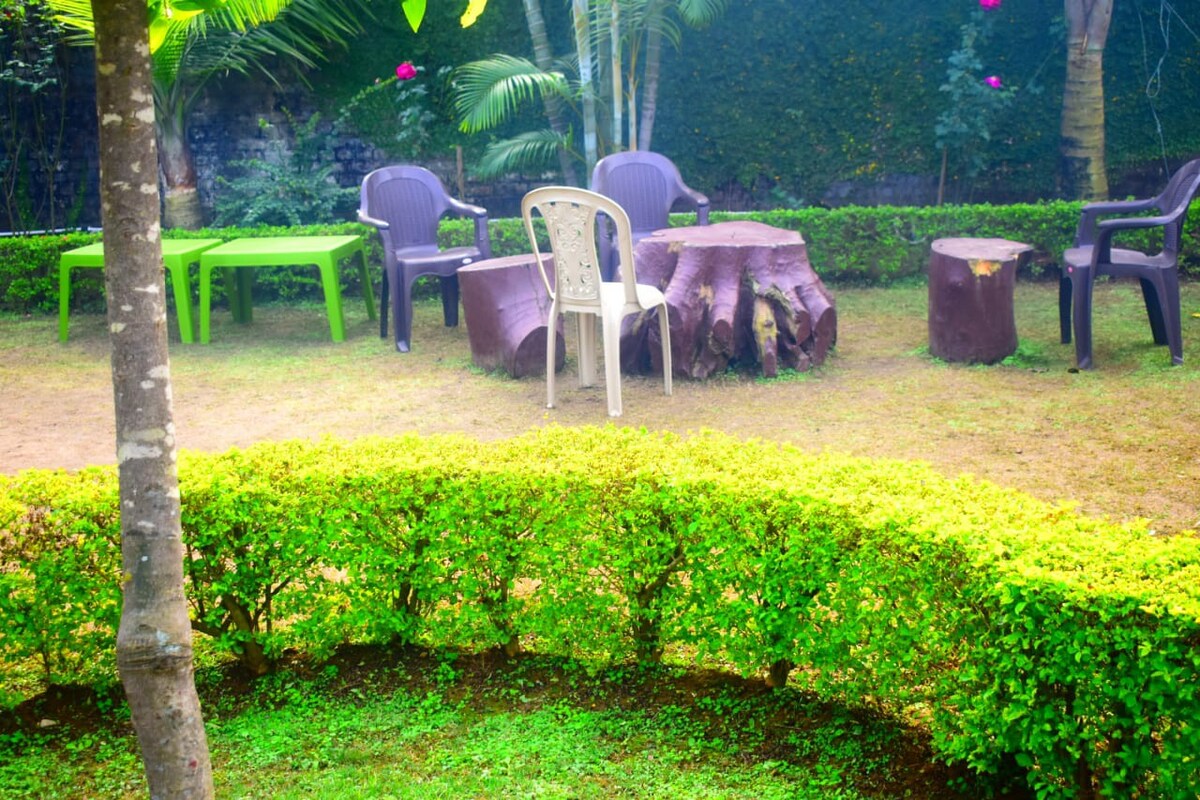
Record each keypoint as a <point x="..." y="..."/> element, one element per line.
<point x="532" y="150"/>
<point x="698" y="13"/>
<point x="489" y="91"/>
<point x="75" y="16"/>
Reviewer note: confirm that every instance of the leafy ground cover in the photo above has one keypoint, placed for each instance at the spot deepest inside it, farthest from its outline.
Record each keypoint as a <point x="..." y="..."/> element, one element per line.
<point x="1119" y="441"/>
<point x="411" y="724"/>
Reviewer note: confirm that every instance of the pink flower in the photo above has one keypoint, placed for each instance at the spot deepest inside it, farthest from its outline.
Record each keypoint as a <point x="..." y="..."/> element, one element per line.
<point x="406" y="71"/>
<point x="989" y="5"/>
<point x="993" y="81"/>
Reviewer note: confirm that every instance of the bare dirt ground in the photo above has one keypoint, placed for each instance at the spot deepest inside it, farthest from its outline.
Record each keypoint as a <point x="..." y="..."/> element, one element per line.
<point x="1121" y="440"/>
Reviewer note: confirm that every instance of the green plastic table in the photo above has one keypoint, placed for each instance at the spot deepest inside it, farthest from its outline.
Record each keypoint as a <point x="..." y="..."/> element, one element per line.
<point x="178" y="254"/>
<point x="282" y="251"/>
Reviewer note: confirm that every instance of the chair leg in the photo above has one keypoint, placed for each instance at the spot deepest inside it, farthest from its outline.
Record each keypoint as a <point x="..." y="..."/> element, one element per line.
<point x="585" y="326"/>
<point x="450" y="300"/>
<point x="1081" y="307"/>
<point x="611" y="332"/>
<point x="1064" y="307"/>
<point x="401" y="310"/>
<point x="1153" y="299"/>
<point x="1168" y="295"/>
<point x="664" y="329"/>
<point x="384" y="292"/>
<point x="551" y="347"/>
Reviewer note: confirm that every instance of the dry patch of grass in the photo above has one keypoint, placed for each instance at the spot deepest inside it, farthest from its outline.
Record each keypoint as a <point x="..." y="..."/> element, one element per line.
<point x="1120" y="440"/>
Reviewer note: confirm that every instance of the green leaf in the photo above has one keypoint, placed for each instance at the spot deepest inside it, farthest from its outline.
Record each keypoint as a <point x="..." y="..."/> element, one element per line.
<point x="414" y="12"/>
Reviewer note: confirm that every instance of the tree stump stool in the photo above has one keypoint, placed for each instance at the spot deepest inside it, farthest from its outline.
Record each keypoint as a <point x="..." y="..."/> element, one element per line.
<point x="737" y="291"/>
<point x="505" y="306"/>
<point x="971" y="298"/>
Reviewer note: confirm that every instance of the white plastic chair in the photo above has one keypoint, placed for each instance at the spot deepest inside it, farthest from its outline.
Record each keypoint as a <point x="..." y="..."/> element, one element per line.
<point x="570" y="217"/>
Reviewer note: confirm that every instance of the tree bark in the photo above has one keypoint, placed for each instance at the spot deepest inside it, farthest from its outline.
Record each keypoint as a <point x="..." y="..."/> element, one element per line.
<point x="581" y="21"/>
<point x="154" y="645"/>
<point x="654" y="39"/>
<point x="740" y="292"/>
<point x="506" y="308"/>
<point x="1082" y="160"/>
<point x="971" y="298"/>
<point x="181" y="208"/>
<point x="543" y="56"/>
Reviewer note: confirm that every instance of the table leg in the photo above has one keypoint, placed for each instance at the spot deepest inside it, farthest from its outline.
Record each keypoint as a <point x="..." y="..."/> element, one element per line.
<point x="64" y="298"/>
<point x="238" y="284"/>
<point x="333" y="297"/>
<point x="183" y="300"/>
<point x="365" y="275"/>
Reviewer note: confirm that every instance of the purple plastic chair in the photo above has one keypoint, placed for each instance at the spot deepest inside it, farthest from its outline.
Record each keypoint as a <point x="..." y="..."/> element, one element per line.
<point x="406" y="203"/>
<point x="1158" y="273"/>
<point x="647" y="185"/>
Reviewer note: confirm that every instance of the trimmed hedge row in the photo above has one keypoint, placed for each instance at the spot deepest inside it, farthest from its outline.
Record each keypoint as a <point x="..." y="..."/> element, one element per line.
<point x="1025" y="636"/>
<point x="874" y="245"/>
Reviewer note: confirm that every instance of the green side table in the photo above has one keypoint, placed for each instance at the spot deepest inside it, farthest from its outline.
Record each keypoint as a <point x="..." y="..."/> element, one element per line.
<point x="283" y="251"/>
<point x="178" y="254"/>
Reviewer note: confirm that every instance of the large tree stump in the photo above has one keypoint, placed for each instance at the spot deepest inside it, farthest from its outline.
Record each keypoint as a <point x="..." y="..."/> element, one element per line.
<point x="506" y="306"/>
<point x="739" y="292"/>
<point x="971" y="299"/>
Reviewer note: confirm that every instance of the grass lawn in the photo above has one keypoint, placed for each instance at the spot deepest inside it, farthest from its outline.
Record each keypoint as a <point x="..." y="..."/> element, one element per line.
<point x="1119" y="440"/>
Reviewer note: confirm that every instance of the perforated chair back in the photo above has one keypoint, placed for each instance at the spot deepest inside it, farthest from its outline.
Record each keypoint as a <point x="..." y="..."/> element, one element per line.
<point x="570" y="216"/>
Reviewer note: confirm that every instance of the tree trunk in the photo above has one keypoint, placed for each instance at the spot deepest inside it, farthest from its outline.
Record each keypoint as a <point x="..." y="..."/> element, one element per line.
<point x="650" y="88"/>
<point x="971" y="298"/>
<point x="580" y="17"/>
<point x="618" y="93"/>
<point x="154" y="645"/>
<point x="181" y="208"/>
<point x="1083" y="168"/>
<point x="543" y="56"/>
<point x="737" y="291"/>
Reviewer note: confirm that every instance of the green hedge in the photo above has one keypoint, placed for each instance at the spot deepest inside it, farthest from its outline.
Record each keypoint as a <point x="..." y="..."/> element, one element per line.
<point x="1024" y="636"/>
<point x="855" y="244"/>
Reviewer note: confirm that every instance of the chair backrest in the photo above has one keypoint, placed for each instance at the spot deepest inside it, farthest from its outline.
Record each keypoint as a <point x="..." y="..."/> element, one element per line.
<point x="570" y="217"/>
<point x="410" y="199"/>
<point x="645" y="184"/>
<point x="1174" y="202"/>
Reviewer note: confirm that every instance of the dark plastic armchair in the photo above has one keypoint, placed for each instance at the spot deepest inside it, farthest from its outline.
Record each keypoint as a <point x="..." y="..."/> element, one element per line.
<point x="406" y="203"/>
<point x="1093" y="255"/>
<point x="647" y="185"/>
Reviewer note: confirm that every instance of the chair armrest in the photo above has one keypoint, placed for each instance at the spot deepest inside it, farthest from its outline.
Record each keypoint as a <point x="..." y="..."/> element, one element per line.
<point x="700" y="202"/>
<point x="483" y="241"/>
<point x="378" y="223"/>
<point x="1105" y="230"/>
<point x="1090" y="215"/>
<point x="465" y="209"/>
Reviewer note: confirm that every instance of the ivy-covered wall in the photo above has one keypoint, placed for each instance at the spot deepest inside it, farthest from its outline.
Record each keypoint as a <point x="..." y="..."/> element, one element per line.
<point x="821" y="100"/>
<point x="780" y="103"/>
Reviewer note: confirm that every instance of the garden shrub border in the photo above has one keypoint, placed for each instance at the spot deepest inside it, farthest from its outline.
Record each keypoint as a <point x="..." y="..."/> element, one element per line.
<point x="853" y="244"/>
<point x="1025" y="636"/>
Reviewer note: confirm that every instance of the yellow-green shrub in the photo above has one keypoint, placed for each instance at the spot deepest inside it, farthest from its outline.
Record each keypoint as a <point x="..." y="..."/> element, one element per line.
<point x="1027" y="638"/>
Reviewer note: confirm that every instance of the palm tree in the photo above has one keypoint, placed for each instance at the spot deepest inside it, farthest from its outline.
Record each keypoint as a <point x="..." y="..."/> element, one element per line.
<point x="490" y="90"/>
<point x="1084" y="170"/>
<point x="191" y="47"/>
